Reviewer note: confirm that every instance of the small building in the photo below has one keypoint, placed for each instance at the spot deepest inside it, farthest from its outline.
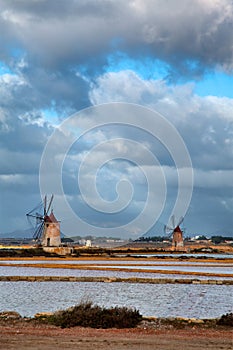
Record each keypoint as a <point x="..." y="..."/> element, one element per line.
<point x="51" y="236"/>
<point x="88" y="243"/>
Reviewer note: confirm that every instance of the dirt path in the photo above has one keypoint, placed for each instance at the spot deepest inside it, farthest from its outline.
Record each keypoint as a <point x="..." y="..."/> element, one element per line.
<point x="25" y="336"/>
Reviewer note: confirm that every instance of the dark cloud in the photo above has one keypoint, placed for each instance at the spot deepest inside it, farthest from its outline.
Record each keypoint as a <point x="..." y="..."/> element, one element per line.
<point x="189" y="35"/>
<point x="58" y="48"/>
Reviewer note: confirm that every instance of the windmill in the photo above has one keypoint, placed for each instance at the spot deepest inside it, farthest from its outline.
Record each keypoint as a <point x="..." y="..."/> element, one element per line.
<point x="46" y="226"/>
<point x="174" y="231"/>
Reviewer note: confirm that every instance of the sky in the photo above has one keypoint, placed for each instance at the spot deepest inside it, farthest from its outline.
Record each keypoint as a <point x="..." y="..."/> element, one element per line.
<point x="122" y="109"/>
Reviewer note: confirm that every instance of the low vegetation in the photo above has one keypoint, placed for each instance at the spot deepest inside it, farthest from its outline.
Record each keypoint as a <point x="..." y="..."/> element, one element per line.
<point x="159" y="239"/>
<point x="226" y="320"/>
<point x="86" y="314"/>
<point x="25" y="253"/>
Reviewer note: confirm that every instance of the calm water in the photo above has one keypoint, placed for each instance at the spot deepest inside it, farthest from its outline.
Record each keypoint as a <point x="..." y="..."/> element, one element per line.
<point x="216" y="269"/>
<point x="180" y="266"/>
<point x="38" y="271"/>
<point x="31" y="271"/>
<point x="199" y="301"/>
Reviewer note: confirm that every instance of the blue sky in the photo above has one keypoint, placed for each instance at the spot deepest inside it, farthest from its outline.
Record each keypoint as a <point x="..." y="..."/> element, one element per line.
<point x="216" y="84"/>
<point x="173" y="58"/>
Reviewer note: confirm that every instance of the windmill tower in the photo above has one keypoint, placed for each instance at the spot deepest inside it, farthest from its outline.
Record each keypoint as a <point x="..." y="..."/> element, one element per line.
<point x="46" y="227"/>
<point x="175" y="232"/>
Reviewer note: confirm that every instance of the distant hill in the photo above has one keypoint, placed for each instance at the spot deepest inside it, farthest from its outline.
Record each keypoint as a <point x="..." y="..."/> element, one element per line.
<point x="223" y="232"/>
<point x="27" y="233"/>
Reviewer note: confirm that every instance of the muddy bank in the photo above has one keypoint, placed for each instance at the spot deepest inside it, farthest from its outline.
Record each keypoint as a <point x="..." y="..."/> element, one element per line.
<point x="113" y="279"/>
<point x="151" y="334"/>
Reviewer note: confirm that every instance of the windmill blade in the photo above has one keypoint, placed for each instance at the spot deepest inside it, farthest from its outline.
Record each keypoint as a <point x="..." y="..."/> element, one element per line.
<point x="171" y="234"/>
<point x="33" y="215"/>
<point x="38" y="233"/>
<point x="35" y="219"/>
<point x="39" y="219"/>
<point x="36" y="216"/>
<point x="168" y="230"/>
<point x="45" y="205"/>
<point x="173" y="221"/>
<point x="30" y="220"/>
<point x="180" y="221"/>
<point x="38" y="207"/>
<point x="50" y="203"/>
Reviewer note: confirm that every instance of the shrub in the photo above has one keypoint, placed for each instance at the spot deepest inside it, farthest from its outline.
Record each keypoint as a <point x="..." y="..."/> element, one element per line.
<point x="88" y="315"/>
<point x="226" y="320"/>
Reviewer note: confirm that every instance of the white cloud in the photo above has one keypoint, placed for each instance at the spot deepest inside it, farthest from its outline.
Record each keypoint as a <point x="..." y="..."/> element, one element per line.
<point x="214" y="179"/>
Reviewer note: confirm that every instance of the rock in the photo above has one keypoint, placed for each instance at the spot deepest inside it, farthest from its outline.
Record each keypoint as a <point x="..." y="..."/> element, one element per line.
<point x="110" y="280"/>
<point x="43" y="314"/>
<point x="10" y="315"/>
<point x="195" y="320"/>
<point x="149" y="318"/>
<point x="183" y="319"/>
<point x="168" y="319"/>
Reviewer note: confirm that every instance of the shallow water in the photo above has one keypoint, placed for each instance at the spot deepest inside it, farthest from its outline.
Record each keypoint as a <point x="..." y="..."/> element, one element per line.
<point x="37" y="271"/>
<point x="199" y="301"/>
<point x="208" y="269"/>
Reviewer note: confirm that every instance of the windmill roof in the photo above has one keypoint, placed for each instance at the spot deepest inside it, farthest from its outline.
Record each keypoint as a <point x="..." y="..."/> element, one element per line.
<point x="51" y="218"/>
<point x="177" y="229"/>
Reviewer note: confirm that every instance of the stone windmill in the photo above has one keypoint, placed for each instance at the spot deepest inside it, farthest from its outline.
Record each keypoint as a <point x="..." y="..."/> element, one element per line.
<point x="46" y="227"/>
<point x="174" y="231"/>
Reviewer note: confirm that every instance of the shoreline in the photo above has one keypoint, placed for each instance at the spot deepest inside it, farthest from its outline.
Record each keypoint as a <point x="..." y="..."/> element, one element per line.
<point x="22" y="334"/>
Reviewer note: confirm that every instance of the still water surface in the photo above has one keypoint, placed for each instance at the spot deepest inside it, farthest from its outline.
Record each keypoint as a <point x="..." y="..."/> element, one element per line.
<point x="199" y="301"/>
<point x="31" y="271"/>
<point x="96" y="271"/>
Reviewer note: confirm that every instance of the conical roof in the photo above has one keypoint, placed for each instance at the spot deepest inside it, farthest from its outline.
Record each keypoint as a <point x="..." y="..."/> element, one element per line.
<point x="52" y="217"/>
<point x="177" y="229"/>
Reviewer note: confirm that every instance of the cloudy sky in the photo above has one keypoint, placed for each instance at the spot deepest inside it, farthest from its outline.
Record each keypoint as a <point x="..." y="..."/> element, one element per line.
<point x="102" y="103"/>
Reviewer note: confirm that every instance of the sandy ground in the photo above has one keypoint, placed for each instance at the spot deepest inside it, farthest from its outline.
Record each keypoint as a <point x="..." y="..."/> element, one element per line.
<point x="23" y="336"/>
